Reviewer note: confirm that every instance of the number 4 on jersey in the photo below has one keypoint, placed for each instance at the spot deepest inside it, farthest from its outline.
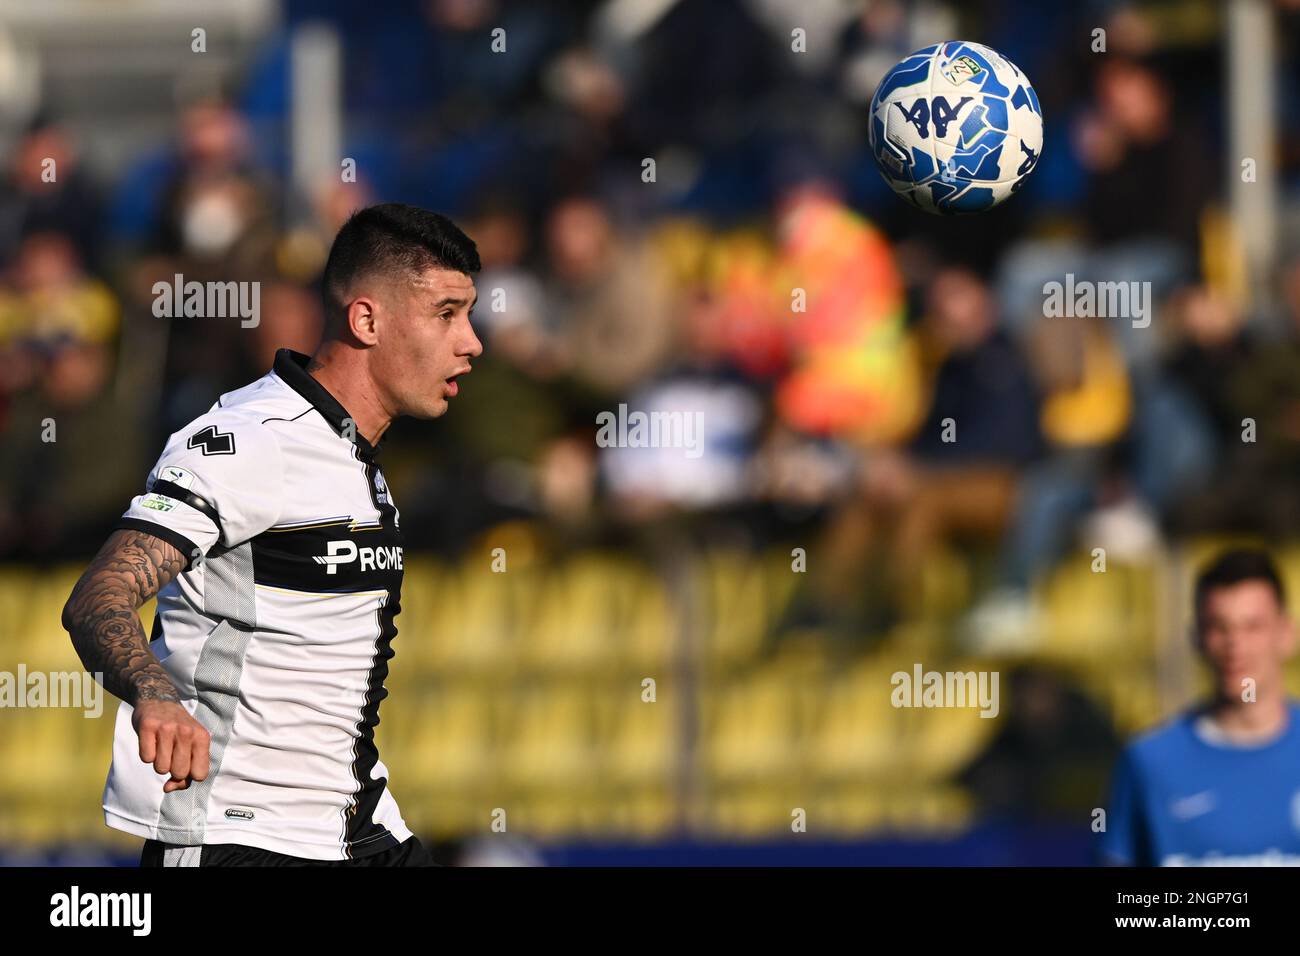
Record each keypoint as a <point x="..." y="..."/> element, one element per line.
<point x="212" y="442"/>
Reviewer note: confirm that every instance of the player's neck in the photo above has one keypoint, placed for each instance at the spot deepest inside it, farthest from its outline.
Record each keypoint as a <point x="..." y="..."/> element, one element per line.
<point x="1246" y="722"/>
<point x="343" y="373"/>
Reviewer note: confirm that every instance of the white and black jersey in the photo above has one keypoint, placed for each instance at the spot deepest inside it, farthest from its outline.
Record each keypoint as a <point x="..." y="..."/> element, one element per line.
<point x="278" y="633"/>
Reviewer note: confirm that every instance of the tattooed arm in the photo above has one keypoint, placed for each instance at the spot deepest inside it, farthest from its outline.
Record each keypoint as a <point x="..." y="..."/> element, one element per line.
<point x="101" y="616"/>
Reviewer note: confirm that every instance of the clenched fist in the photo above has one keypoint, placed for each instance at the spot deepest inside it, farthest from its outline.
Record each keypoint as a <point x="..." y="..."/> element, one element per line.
<point x="173" y="741"/>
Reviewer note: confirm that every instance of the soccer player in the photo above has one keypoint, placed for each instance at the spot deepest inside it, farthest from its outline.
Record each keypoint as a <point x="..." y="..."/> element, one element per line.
<point x="267" y="531"/>
<point x="1221" y="784"/>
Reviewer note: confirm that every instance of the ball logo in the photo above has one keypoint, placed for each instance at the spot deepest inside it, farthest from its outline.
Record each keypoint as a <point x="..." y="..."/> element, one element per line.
<point x="345" y="552"/>
<point x="961" y="69"/>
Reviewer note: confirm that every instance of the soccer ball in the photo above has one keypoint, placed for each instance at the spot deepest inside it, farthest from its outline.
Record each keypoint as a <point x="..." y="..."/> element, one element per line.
<point x="955" y="128"/>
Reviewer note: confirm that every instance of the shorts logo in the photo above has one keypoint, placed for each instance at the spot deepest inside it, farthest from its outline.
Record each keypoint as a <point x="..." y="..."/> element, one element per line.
<point x="961" y="69"/>
<point x="345" y="552"/>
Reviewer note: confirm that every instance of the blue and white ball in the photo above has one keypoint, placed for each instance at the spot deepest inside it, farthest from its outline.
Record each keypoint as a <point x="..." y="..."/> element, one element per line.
<point x="956" y="128"/>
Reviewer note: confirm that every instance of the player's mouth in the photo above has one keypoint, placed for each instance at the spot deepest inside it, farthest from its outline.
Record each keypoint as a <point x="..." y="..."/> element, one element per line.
<point x="452" y="387"/>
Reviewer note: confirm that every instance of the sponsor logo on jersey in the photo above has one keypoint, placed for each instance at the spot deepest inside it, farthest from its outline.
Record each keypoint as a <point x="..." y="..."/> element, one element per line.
<point x="346" y="552"/>
<point x="960" y="70"/>
<point x="238" y="813"/>
<point x="1196" y="805"/>
<point x="177" y="476"/>
<point x="210" y="441"/>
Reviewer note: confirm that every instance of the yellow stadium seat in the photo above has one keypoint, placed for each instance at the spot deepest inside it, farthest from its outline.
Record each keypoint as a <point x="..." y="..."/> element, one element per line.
<point x="637" y="740"/>
<point x="548" y="740"/>
<point x="470" y="628"/>
<point x="571" y="628"/>
<point x="1099" y="616"/>
<point x="860" y="735"/>
<point x="753" y="810"/>
<point x="731" y="613"/>
<point x="948" y="738"/>
<point x="747" y="727"/>
<point x="449" y="743"/>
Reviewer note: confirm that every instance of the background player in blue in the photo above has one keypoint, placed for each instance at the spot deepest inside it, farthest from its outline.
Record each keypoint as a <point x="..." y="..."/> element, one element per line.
<point x="1220" y="785"/>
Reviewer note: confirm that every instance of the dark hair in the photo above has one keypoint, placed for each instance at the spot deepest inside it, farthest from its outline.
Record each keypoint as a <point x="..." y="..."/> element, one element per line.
<point x="390" y="238"/>
<point x="1236" y="566"/>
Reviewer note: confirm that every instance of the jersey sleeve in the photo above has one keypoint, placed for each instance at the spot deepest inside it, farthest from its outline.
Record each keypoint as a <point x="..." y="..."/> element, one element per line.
<point x="217" y="483"/>
<point x="1123" y="842"/>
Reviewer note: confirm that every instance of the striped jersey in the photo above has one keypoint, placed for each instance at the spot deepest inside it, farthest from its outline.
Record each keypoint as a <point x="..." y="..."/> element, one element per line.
<point x="278" y="632"/>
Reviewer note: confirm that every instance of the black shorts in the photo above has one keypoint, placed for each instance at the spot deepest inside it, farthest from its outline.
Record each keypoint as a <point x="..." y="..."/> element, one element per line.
<point x="410" y="853"/>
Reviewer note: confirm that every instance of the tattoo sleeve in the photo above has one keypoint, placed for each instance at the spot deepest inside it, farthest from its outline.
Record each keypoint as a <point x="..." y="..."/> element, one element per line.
<point x="102" y="614"/>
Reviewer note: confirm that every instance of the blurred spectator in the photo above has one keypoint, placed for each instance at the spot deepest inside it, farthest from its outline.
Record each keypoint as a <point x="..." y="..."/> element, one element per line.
<point x="218" y="210"/>
<point x="980" y="431"/>
<point x="611" y="293"/>
<point x="513" y="315"/>
<point x="45" y="190"/>
<point x="218" y="221"/>
<point x="1132" y="138"/>
<point x="302" y="250"/>
<point x="982" y="383"/>
<point x="1086" y="407"/>
<point x="58" y="329"/>
<point x="957" y="475"/>
<point x="1250" y="391"/>
<point x="1050" y="757"/>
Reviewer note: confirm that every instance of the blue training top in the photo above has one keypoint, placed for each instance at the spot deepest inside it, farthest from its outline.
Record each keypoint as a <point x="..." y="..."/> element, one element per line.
<point x="1180" y="799"/>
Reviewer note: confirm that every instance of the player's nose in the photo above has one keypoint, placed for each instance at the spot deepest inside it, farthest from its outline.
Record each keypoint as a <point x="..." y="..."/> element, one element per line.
<point x="471" y="347"/>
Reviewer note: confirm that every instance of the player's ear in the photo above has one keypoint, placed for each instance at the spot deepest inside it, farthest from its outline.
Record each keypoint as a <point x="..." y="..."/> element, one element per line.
<point x="361" y="320"/>
<point x="1288" y="636"/>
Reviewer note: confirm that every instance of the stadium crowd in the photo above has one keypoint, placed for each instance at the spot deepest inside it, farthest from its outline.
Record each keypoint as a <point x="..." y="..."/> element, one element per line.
<point x="765" y="277"/>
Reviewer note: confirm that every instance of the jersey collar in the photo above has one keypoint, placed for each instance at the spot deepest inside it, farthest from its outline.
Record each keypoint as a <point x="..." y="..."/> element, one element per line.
<point x="291" y="366"/>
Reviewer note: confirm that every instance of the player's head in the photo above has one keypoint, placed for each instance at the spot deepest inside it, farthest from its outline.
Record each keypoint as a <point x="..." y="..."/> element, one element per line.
<point x="961" y="313"/>
<point x="1242" y="626"/>
<point x="398" y="285"/>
